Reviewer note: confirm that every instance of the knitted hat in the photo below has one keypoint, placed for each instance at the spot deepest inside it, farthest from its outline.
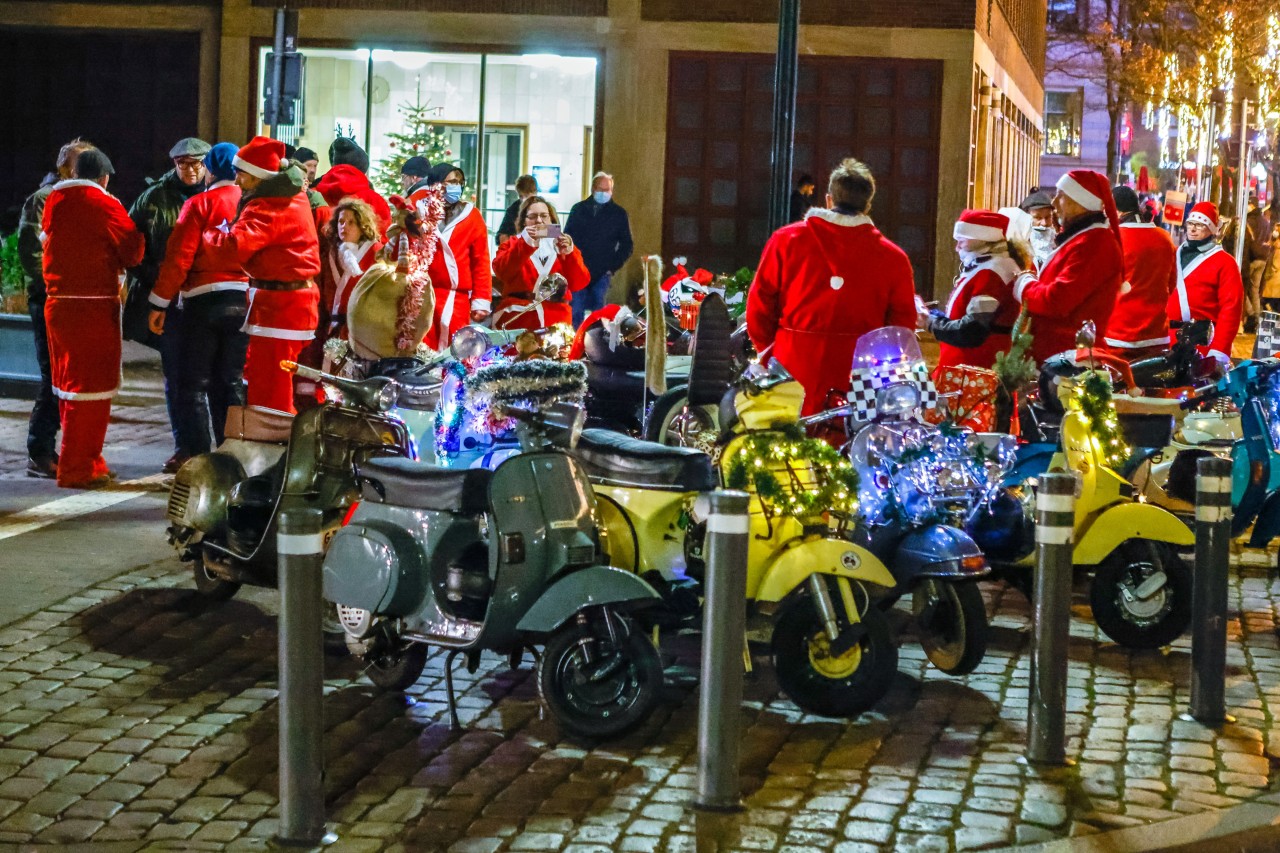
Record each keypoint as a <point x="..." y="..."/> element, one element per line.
<point x="1125" y="198"/>
<point x="1092" y="191"/>
<point x="220" y="161"/>
<point x="440" y="171"/>
<point x="346" y="151"/>
<point x="984" y="225"/>
<point x="93" y="164"/>
<point x="416" y="166"/>
<point x="305" y="155"/>
<point x="189" y="147"/>
<point x="1205" y="213"/>
<point x="260" y="157"/>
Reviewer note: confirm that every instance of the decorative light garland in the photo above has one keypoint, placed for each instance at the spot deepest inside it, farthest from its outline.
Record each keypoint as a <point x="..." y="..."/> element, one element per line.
<point x="760" y="457"/>
<point x="1093" y="396"/>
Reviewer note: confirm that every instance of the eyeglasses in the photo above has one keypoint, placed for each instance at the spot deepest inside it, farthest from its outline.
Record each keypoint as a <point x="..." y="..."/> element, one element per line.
<point x="188" y="165"/>
<point x="537" y="217"/>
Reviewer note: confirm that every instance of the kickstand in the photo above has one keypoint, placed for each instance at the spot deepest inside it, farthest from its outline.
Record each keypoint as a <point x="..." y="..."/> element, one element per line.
<point x="454" y="724"/>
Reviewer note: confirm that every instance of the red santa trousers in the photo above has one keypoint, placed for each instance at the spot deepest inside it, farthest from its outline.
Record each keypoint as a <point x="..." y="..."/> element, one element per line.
<point x="84" y="354"/>
<point x="280" y="325"/>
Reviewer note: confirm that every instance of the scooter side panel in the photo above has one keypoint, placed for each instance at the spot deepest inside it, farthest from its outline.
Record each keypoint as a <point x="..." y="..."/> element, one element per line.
<point x="936" y="551"/>
<point x="1121" y="522"/>
<point x="652" y="523"/>
<point x="375" y="564"/>
<point x="593" y="586"/>
<point x="198" y="498"/>
<point x="829" y="556"/>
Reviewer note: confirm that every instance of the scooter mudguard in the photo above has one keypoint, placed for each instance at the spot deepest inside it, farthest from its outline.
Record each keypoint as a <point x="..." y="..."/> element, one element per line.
<point x="375" y="565"/>
<point x="1267" y="525"/>
<point x="837" y="557"/>
<point x="1125" y="521"/>
<point x="938" y="551"/>
<point x="593" y="586"/>
<point x="198" y="497"/>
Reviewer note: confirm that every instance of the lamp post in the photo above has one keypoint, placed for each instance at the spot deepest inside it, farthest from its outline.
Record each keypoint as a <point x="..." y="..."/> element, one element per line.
<point x="785" y="75"/>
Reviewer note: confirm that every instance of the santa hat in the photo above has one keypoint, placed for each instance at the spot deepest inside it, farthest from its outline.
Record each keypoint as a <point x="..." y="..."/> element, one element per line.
<point x="1205" y="213"/>
<point x="1020" y="223"/>
<point x="261" y="157"/>
<point x="984" y="225"/>
<point x="1092" y="191"/>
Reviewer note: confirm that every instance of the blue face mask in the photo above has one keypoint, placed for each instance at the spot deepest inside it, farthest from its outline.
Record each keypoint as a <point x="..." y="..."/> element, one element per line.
<point x="602" y="197"/>
<point x="452" y="193"/>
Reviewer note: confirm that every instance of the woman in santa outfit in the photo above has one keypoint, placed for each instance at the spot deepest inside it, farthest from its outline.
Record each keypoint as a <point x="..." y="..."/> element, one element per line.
<point x="274" y="239"/>
<point x="525" y="261"/>
<point x="352" y="244"/>
<point x="1208" y="285"/>
<point x="89" y="241"/>
<point x="1139" y="328"/>
<point x="460" y="269"/>
<point x="981" y="311"/>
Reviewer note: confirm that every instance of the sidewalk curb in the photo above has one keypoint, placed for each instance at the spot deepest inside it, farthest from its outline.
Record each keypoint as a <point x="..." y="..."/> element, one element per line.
<point x="1246" y="828"/>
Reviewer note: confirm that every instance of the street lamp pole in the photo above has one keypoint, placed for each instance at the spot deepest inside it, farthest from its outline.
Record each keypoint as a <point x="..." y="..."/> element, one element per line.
<point x="784" y="112"/>
<point x="1242" y="183"/>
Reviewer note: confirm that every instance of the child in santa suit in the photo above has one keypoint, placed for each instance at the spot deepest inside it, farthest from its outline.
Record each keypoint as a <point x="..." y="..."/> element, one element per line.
<point x="981" y="310"/>
<point x="274" y="239"/>
<point x="1208" y="285"/>
<point x="1139" y="327"/>
<point x="351" y="247"/>
<point x="460" y="269"/>
<point x="1081" y="278"/>
<point x="526" y="260"/>
<point x="89" y="240"/>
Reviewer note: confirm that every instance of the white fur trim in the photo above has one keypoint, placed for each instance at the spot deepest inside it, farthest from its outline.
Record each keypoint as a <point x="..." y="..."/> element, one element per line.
<point x="280" y="334"/>
<point x="80" y="182"/>
<point x="1203" y="220"/>
<point x="1138" y="225"/>
<point x="84" y="395"/>
<point x="1020" y="284"/>
<point x="481" y="305"/>
<point x="219" y="184"/>
<point x="1149" y="342"/>
<point x="838" y="218"/>
<point x="246" y="166"/>
<point x="970" y="231"/>
<point x="158" y="302"/>
<point x="1079" y="194"/>
<point x="215" y="287"/>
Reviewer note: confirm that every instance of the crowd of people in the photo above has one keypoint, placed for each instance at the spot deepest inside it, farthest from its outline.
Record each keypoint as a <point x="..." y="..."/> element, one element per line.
<point x="241" y="257"/>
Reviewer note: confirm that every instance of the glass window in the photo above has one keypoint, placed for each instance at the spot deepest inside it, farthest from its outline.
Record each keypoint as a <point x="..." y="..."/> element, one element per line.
<point x="1064" y="15"/>
<point x="332" y="102"/>
<point x="1063" y="114"/>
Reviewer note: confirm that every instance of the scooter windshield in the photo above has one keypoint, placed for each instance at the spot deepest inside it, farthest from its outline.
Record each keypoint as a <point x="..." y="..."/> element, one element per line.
<point x="888" y="347"/>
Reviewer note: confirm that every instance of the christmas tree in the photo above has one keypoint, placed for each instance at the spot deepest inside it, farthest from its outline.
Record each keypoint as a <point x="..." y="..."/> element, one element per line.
<point x="419" y="138"/>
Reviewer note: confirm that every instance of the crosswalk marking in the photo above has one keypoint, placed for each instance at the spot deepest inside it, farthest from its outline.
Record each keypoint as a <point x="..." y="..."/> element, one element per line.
<point x="73" y="506"/>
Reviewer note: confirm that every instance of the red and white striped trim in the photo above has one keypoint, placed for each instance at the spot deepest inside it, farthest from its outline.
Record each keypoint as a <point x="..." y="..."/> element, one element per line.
<point x="246" y="166"/>
<point x="1149" y="342"/>
<point x="84" y="395"/>
<point x="280" y="334"/>
<point x="1079" y="194"/>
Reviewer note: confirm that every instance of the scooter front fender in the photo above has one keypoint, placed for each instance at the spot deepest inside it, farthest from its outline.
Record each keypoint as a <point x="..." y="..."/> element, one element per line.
<point x="1126" y="521"/>
<point x="938" y="551"/>
<point x="198" y="496"/>
<point x="590" y="587"/>
<point x="826" y="556"/>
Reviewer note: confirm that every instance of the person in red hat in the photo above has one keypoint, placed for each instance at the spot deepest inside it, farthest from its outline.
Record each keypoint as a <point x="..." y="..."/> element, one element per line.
<point x="89" y="241"/>
<point x="1081" y="278"/>
<point x="274" y="239"/>
<point x="344" y="181"/>
<point x="1208" y="285"/>
<point x="1138" y="327"/>
<point x="460" y="269"/>
<point x="981" y="310"/>
<point x="824" y="282"/>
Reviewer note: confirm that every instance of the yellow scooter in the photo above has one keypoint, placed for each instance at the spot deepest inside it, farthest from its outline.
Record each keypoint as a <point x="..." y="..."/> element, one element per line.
<point x="832" y="650"/>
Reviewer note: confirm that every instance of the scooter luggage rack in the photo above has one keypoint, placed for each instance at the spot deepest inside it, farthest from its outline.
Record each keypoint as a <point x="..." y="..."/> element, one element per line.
<point x="792" y="476"/>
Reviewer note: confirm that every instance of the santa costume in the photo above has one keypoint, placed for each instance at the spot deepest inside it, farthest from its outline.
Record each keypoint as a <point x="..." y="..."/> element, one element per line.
<point x="344" y="264"/>
<point x="1208" y="285"/>
<point x="460" y="272"/>
<point x="822" y="283"/>
<point x="522" y="263"/>
<point x="972" y="329"/>
<point x="274" y="240"/>
<point x="1139" y="328"/>
<point x="89" y="241"/>
<point x="1081" y="278"/>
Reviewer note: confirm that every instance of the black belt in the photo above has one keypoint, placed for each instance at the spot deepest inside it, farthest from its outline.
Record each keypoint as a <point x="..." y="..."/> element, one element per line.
<point x="266" y="284"/>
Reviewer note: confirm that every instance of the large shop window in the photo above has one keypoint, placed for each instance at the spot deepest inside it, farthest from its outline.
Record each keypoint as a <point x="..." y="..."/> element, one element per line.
<point x="1063" y="115"/>
<point x="537" y="112"/>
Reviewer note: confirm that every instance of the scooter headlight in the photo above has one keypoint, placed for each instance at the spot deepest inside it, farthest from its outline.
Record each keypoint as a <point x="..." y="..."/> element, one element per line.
<point x="387" y="396"/>
<point x="898" y="399"/>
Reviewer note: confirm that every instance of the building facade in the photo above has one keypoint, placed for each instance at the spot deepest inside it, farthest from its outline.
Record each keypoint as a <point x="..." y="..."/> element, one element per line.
<point x="942" y="99"/>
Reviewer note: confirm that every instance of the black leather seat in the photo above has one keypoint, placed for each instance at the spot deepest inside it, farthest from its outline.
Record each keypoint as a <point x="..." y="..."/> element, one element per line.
<point x="619" y="460"/>
<point x="406" y="482"/>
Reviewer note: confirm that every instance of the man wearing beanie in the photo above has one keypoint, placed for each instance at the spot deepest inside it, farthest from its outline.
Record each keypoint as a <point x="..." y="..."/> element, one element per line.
<point x="1208" y="285"/>
<point x="1081" y="278"/>
<point x="1138" y="327"/>
<point x="273" y="238"/>
<point x="89" y="241"/>
<point x="345" y="151"/>
<point x="212" y="284"/>
<point x="309" y="161"/>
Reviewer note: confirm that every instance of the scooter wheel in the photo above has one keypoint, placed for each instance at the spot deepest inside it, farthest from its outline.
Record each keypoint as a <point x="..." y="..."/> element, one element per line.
<point x="952" y="621"/>
<point x="596" y="689"/>
<point x="820" y="683"/>
<point x="1146" y="623"/>
<point x="672" y="421"/>
<point x="210" y="585"/>
<point x="397" y="669"/>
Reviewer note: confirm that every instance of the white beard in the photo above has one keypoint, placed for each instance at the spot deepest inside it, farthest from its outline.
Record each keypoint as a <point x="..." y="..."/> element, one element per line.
<point x="1041" y="243"/>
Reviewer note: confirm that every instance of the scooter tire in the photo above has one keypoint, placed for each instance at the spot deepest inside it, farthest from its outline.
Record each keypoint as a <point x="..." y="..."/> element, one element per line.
<point x="797" y="628"/>
<point x="598" y="710"/>
<point x="398" y="669"/>
<point x="966" y="612"/>
<point x="209" y="585"/>
<point x="667" y="407"/>
<point x="1120" y="621"/>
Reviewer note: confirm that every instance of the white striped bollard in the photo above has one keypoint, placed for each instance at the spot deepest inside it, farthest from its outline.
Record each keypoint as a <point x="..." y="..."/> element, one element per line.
<point x="1209" y="591"/>
<point x="1051" y="620"/>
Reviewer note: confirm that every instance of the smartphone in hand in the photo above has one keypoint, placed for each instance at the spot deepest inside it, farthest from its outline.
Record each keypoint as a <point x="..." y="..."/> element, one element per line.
<point x="554" y="231"/>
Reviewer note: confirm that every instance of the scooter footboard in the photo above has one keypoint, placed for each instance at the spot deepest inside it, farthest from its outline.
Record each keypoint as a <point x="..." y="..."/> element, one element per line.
<point x="594" y="586"/>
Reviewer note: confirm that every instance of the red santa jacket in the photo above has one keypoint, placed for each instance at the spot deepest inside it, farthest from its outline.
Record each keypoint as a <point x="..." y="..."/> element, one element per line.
<point x="1150" y="275"/>
<point x="192" y="266"/>
<point x="993" y="277"/>
<point x="89" y="240"/>
<point x="460" y="273"/>
<point x="1210" y="288"/>
<point x="579" y="348"/>
<point x="521" y="265"/>
<point x="342" y="181"/>
<point x="823" y="283"/>
<point x="1079" y="282"/>
<point x="343" y="266"/>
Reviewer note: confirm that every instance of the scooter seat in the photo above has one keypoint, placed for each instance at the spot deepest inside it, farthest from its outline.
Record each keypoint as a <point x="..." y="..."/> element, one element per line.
<point x="407" y="482"/>
<point x="613" y="459"/>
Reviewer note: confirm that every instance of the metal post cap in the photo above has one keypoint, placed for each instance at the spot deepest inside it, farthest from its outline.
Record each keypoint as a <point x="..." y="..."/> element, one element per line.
<point x="1058" y="483"/>
<point x="729" y="502"/>
<point x="301" y="520"/>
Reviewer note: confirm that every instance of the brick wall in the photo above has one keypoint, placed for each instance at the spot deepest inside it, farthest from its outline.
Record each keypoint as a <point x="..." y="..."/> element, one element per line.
<point x="941" y="14"/>
<point x="572" y="8"/>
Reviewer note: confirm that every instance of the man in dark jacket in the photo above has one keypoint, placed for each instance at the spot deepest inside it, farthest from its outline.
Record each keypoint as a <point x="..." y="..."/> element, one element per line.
<point x="154" y="213"/>
<point x="601" y="231"/>
<point x="1257" y="247"/>
<point x="42" y="429"/>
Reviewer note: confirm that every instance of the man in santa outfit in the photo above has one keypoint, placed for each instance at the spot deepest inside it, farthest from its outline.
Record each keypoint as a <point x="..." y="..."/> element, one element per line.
<point x="824" y="282"/>
<point x="981" y="310"/>
<point x="1208" y="284"/>
<point x="89" y="241"/>
<point x="461" y="271"/>
<point x="273" y="237"/>
<point x="1081" y="278"/>
<point x="212" y="285"/>
<point x="1138" y="327"/>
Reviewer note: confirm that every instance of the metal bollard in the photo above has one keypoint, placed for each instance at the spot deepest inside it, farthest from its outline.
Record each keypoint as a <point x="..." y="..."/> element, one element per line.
<point x="1051" y="623"/>
<point x="724" y="626"/>
<point x="1209" y="590"/>
<point x="300" y="546"/>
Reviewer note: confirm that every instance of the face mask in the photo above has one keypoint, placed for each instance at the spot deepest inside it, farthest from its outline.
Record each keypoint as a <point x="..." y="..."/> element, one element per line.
<point x="601" y="196"/>
<point x="452" y="193"/>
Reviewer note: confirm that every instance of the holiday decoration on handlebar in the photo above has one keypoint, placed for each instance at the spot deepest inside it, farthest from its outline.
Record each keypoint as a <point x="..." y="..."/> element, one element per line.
<point x="794" y="475"/>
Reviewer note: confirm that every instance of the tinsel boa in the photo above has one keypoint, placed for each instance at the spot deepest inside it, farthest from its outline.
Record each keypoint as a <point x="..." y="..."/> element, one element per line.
<point x="538" y="382"/>
<point x="429" y="208"/>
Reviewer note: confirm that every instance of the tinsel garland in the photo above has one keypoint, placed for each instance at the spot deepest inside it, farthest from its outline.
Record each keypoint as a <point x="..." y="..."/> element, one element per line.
<point x="421" y="251"/>
<point x="538" y="382"/>
<point x="760" y="458"/>
<point x="447" y="431"/>
<point x="1093" y="396"/>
